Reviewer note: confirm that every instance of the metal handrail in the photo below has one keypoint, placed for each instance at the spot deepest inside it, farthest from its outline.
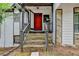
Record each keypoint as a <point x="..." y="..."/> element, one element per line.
<point x="26" y="27"/>
<point x="46" y="36"/>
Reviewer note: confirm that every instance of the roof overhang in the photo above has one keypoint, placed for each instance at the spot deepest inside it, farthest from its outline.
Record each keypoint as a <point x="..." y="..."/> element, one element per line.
<point x="37" y="4"/>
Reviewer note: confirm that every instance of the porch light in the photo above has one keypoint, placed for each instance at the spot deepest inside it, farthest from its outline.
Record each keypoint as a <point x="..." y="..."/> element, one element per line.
<point x="16" y="11"/>
<point x="37" y="7"/>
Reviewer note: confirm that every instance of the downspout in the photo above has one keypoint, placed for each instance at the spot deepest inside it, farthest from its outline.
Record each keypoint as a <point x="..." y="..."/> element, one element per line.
<point x="52" y="22"/>
<point x="52" y="16"/>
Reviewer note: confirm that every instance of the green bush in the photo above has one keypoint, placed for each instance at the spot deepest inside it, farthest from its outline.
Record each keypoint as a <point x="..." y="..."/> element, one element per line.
<point x="3" y="8"/>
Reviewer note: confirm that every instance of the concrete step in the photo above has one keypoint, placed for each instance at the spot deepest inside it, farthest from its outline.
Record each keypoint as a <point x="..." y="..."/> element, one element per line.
<point x="35" y="54"/>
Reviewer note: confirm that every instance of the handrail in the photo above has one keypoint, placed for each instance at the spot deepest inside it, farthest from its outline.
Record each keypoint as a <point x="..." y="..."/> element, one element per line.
<point x="46" y="32"/>
<point x="26" y="27"/>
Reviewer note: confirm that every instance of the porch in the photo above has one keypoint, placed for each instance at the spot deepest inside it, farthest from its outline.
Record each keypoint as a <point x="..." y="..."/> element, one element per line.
<point x="30" y="34"/>
<point x="21" y="23"/>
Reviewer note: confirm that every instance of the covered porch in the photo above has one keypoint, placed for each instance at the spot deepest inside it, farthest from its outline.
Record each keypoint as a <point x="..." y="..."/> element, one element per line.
<point x="21" y="27"/>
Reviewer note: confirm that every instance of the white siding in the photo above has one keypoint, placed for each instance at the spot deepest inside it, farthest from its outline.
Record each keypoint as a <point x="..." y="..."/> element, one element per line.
<point x="25" y="17"/>
<point x="16" y="28"/>
<point x="67" y="22"/>
<point x="67" y="26"/>
<point x="16" y="24"/>
<point x="2" y="35"/>
<point x="7" y="32"/>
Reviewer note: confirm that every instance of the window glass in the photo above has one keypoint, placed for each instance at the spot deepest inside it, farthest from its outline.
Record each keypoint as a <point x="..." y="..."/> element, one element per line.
<point x="75" y="18"/>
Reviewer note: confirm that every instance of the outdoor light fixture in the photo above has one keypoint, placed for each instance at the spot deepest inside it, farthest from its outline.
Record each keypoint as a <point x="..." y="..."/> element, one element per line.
<point x="17" y="7"/>
<point x="16" y="10"/>
<point x="37" y="7"/>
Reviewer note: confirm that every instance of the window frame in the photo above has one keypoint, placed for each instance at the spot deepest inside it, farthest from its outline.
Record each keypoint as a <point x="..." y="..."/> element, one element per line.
<point x="75" y="12"/>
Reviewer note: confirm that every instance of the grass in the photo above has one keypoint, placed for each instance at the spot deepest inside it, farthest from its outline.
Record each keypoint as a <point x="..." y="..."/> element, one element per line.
<point x="52" y="51"/>
<point x="3" y="50"/>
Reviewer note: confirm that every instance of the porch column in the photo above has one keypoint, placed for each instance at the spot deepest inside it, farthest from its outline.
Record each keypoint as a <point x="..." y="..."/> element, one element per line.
<point x="54" y="24"/>
<point x="58" y="26"/>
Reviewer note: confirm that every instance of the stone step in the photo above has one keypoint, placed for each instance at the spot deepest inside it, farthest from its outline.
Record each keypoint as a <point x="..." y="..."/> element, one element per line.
<point x="35" y="40"/>
<point x="34" y="45"/>
<point x="29" y="45"/>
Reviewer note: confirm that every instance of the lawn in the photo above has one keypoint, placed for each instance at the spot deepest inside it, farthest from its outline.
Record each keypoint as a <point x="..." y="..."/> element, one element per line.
<point x="3" y="50"/>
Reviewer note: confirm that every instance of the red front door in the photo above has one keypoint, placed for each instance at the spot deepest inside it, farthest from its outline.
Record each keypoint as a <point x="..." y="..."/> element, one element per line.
<point x="38" y="21"/>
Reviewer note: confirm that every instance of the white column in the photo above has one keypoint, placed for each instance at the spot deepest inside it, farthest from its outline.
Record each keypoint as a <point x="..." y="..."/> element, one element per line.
<point x="54" y="24"/>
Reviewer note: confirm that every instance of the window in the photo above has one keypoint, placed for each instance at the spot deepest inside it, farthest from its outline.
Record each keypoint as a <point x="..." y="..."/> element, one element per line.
<point x="76" y="20"/>
<point x="46" y="17"/>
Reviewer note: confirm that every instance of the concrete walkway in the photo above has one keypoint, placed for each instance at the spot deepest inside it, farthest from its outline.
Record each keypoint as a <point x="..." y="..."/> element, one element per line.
<point x="35" y="54"/>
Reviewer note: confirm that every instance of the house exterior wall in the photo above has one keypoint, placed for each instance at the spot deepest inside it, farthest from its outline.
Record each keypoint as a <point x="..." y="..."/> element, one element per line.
<point x="67" y="26"/>
<point x="16" y="23"/>
<point x="6" y="39"/>
<point x="16" y="28"/>
<point x="67" y="23"/>
<point x="45" y="10"/>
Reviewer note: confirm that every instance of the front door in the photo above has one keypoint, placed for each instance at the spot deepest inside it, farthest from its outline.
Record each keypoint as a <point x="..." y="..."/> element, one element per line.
<point x="38" y="21"/>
